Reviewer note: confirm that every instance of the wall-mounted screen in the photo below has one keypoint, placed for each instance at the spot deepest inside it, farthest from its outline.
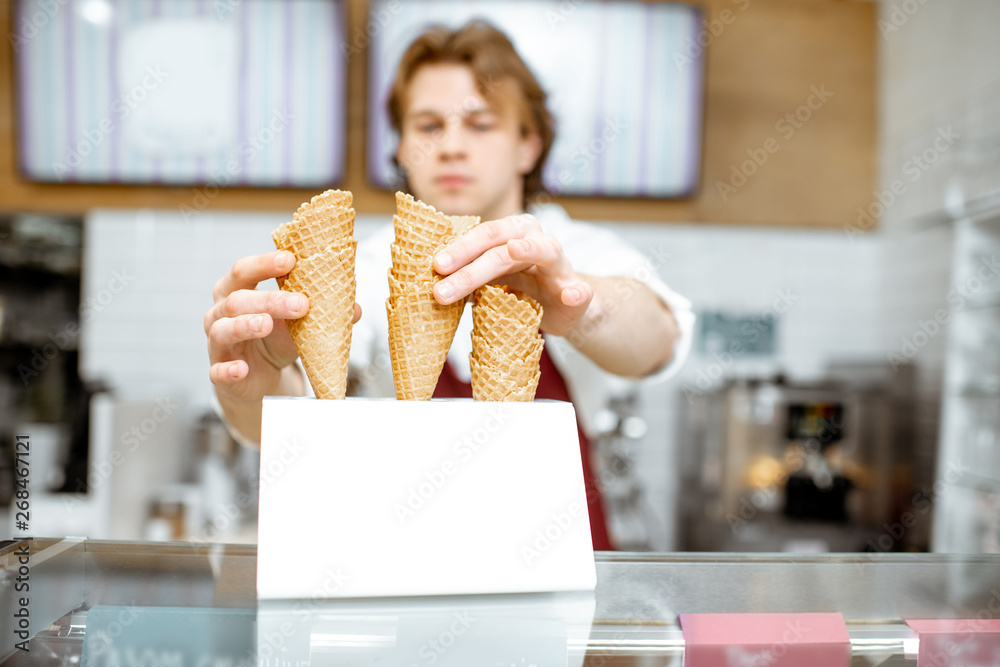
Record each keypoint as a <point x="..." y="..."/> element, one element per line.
<point x="624" y="81"/>
<point x="223" y="92"/>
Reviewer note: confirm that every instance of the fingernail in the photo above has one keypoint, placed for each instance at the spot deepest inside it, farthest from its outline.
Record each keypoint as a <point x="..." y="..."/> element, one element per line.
<point x="296" y="303"/>
<point x="256" y="322"/>
<point x="444" y="259"/>
<point x="284" y="261"/>
<point x="445" y="290"/>
<point x="234" y="371"/>
<point x="574" y="295"/>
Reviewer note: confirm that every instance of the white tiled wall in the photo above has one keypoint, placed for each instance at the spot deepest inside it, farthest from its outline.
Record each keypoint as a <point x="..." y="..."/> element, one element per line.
<point x="937" y="76"/>
<point x="937" y="71"/>
<point x="148" y="340"/>
<point x="834" y="314"/>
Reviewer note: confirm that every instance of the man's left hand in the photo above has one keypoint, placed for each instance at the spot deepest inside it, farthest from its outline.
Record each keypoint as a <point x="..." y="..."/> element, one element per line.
<point x="514" y="251"/>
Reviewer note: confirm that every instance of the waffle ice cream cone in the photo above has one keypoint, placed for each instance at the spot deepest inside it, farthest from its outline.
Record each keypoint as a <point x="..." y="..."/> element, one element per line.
<point x="420" y="334"/>
<point x="317" y="224"/>
<point x="463" y="223"/>
<point x="418" y="242"/>
<point x="496" y="353"/>
<point x="506" y="345"/>
<point x="489" y="384"/>
<point x="420" y="329"/>
<point x="336" y="198"/>
<point x="407" y="267"/>
<point x="425" y="220"/>
<point x="321" y="236"/>
<point x="493" y="323"/>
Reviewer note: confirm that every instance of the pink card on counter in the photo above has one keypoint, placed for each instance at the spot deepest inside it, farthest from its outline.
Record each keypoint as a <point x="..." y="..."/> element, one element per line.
<point x="957" y="642"/>
<point x="776" y="640"/>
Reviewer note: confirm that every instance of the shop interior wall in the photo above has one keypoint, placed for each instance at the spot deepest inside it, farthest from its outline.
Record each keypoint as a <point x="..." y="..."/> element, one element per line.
<point x="764" y="58"/>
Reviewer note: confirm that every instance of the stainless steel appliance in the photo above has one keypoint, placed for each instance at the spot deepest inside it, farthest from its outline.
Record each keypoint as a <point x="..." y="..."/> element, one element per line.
<point x="773" y="466"/>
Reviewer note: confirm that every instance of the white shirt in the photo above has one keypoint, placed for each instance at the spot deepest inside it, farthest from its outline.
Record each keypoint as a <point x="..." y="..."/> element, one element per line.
<point x="590" y="249"/>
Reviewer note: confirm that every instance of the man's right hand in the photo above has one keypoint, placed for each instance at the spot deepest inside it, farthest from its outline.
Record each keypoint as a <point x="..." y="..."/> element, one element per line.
<point x="249" y="346"/>
<point x="248" y="342"/>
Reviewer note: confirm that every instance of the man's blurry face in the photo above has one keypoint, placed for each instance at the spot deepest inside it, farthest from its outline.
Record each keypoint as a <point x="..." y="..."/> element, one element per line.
<point x="462" y="154"/>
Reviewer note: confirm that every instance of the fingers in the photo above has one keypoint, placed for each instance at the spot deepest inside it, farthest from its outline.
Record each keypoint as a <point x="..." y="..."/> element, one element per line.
<point x="229" y="331"/>
<point x="577" y="295"/>
<point x="493" y="264"/>
<point x="228" y="372"/>
<point x="482" y="238"/>
<point x="357" y="313"/>
<point x="226" y="332"/>
<point x="539" y="253"/>
<point x="249" y="271"/>
<point x="276" y="303"/>
<point x="543" y="251"/>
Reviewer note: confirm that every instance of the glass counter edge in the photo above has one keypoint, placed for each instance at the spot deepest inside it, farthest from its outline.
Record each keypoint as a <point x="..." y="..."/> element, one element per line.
<point x="250" y="550"/>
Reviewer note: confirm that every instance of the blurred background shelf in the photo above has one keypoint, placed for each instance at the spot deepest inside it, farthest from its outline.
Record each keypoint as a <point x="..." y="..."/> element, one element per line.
<point x="968" y="511"/>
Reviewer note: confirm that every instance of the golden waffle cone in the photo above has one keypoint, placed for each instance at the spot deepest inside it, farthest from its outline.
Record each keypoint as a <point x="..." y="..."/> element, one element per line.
<point x="510" y="338"/>
<point x="428" y="231"/>
<point x="323" y="336"/>
<point x="418" y="243"/>
<point x="398" y="287"/>
<point x="304" y="240"/>
<point x="420" y="232"/>
<point x="430" y="223"/>
<point x="327" y="218"/>
<point x="497" y="372"/>
<point x="463" y="223"/>
<point x="490" y="385"/>
<point x="499" y="356"/>
<point x="407" y="267"/>
<point x="420" y="334"/>
<point x="506" y="345"/>
<point x="527" y="393"/>
<point x="420" y="329"/>
<point x="340" y="221"/>
<point x="337" y="198"/>
<point x="337" y="248"/>
<point x="486" y="385"/>
<point x="515" y="372"/>
<point x="495" y="303"/>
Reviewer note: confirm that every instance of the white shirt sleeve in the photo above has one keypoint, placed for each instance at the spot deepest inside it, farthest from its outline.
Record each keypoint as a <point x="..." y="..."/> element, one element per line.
<point x="600" y="252"/>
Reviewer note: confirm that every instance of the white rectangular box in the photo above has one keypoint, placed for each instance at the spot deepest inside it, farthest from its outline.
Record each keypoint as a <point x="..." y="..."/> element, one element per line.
<point x="377" y="497"/>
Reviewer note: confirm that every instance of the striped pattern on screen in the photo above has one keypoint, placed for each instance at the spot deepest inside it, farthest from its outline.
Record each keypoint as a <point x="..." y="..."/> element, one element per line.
<point x="624" y="81"/>
<point x="218" y="92"/>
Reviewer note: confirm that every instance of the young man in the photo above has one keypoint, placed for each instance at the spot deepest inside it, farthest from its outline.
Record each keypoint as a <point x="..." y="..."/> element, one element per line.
<point x="474" y="134"/>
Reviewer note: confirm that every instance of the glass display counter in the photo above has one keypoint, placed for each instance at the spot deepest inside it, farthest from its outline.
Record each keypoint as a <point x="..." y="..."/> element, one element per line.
<point x="129" y="603"/>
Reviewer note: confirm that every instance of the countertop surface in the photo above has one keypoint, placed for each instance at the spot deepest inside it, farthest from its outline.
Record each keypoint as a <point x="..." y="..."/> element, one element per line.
<point x="90" y="597"/>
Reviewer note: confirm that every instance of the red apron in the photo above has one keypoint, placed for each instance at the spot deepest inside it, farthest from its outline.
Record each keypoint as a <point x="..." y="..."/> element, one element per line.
<point x="550" y="385"/>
